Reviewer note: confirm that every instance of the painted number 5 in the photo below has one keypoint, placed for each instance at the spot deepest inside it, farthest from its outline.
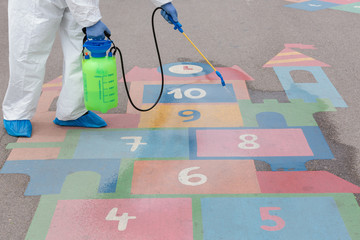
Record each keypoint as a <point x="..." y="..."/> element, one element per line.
<point x="265" y="215"/>
<point x="184" y="177"/>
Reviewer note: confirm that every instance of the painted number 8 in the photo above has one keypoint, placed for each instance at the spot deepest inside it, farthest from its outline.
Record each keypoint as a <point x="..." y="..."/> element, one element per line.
<point x="248" y="141"/>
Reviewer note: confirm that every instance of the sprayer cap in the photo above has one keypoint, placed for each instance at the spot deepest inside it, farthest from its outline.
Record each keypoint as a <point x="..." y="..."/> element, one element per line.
<point x="97" y="48"/>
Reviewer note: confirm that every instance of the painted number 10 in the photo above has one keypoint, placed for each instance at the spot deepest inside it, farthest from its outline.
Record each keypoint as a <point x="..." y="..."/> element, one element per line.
<point x="192" y="93"/>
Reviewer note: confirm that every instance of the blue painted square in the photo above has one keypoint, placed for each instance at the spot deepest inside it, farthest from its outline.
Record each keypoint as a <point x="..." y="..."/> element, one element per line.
<point x="190" y="93"/>
<point x="152" y="143"/>
<point x="297" y="218"/>
<point x="312" y="5"/>
<point x="48" y="176"/>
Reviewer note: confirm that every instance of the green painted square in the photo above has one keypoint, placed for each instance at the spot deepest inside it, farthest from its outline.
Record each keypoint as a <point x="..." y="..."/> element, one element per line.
<point x="353" y="7"/>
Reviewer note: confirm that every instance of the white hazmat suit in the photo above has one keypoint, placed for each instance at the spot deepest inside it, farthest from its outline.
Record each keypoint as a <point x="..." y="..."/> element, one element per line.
<point x="33" y="25"/>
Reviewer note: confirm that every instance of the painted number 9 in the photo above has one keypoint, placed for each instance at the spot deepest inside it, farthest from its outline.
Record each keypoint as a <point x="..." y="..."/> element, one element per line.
<point x="190" y="113"/>
<point x="184" y="177"/>
<point x="265" y="215"/>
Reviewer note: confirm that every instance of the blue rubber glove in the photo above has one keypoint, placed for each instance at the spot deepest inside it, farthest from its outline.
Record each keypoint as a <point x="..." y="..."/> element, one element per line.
<point x="96" y="32"/>
<point x="169" y="10"/>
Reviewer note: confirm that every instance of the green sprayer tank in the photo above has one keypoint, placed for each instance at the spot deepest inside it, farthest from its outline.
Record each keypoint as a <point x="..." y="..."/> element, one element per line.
<point x="100" y="76"/>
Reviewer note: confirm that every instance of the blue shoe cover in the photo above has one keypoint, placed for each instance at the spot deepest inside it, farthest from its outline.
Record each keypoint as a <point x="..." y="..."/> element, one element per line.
<point x="18" y="128"/>
<point x="88" y="120"/>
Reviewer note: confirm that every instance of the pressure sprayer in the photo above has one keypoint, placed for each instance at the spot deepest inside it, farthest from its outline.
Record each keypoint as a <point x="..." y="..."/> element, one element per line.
<point x="100" y="74"/>
<point x="100" y="77"/>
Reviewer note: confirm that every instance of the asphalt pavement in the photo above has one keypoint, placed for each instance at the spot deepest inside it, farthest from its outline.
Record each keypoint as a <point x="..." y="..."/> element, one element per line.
<point x="246" y="33"/>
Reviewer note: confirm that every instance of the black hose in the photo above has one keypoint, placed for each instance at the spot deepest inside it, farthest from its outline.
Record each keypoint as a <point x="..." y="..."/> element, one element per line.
<point x="116" y="49"/>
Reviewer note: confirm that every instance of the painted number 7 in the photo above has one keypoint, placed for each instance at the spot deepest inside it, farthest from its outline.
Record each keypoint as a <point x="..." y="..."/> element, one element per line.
<point x="134" y="145"/>
<point x="265" y="215"/>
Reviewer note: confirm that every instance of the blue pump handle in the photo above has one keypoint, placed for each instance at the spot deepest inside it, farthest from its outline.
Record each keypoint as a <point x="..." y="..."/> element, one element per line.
<point x="98" y="48"/>
<point x="177" y="25"/>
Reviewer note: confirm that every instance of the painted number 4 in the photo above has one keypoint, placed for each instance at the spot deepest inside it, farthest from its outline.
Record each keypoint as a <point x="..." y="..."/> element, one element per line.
<point x="265" y="215"/>
<point x="123" y="220"/>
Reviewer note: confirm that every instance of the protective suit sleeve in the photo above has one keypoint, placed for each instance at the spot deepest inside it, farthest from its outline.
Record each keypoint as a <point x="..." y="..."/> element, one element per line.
<point x="85" y="12"/>
<point x="159" y="3"/>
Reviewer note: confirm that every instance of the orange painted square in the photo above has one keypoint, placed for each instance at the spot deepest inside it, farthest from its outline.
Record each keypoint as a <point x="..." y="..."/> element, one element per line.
<point x="33" y="154"/>
<point x="213" y="177"/>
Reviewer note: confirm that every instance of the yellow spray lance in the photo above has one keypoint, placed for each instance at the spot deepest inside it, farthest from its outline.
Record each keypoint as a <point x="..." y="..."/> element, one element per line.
<point x="178" y="26"/>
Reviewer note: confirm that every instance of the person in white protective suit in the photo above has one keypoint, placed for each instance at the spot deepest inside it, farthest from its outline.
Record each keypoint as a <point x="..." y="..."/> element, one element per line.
<point x="33" y="25"/>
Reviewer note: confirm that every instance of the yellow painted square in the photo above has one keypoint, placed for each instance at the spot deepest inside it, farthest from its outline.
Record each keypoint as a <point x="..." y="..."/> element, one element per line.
<point x="211" y="115"/>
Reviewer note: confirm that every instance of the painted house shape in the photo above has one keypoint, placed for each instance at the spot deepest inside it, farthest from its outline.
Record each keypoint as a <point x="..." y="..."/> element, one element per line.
<point x="288" y="61"/>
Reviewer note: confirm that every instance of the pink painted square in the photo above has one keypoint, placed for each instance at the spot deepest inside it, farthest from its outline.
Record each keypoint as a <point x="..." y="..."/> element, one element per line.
<point x="195" y="177"/>
<point x="33" y="153"/>
<point x="252" y="143"/>
<point x="304" y="182"/>
<point x="341" y="1"/>
<point x="126" y="219"/>
<point x="121" y="120"/>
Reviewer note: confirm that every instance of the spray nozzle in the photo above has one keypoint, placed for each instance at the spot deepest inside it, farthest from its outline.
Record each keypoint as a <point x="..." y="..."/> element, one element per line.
<point x="221" y="78"/>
